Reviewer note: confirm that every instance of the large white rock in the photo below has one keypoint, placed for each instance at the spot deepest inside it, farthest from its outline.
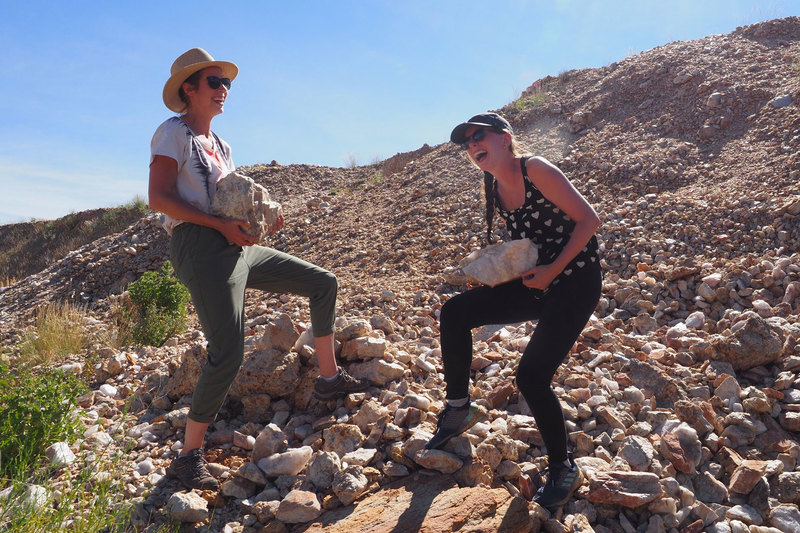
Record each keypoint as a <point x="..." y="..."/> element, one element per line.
<point x="501" y="262"/>
<point x="187" y="507"/>
<point x="288" y="463"/>
<point x="239" y="197"/>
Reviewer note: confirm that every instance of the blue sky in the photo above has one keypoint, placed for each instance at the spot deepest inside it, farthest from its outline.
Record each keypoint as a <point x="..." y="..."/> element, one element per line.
<point x="321" y="82"/>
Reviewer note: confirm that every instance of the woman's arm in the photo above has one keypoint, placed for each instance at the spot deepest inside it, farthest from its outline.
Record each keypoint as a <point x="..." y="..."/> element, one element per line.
<point x="163" y="197"/>
<point x="555" y="186"/>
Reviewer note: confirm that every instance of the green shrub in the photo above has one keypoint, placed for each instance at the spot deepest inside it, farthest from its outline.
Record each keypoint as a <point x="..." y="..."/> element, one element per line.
<point x="35" y="412"/>
<point x="159" y="306"/>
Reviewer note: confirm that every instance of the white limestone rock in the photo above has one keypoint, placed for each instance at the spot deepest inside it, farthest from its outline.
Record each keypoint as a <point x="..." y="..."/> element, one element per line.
<point x="239" y="197"/>
<point x="288" y="463"/>
<point x="501" y="262"/>
<point x="187" y="507"/>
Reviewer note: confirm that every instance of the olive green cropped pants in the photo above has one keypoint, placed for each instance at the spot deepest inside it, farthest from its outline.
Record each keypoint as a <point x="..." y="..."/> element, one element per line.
<point x="216" y="274"/>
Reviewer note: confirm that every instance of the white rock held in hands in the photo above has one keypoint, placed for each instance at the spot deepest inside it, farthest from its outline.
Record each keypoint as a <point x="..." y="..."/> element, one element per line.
<point x="239" y="197"/>
<point x="501" y="262"/>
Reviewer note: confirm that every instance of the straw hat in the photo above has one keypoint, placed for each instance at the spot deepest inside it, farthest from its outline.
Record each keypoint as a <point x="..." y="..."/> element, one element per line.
<point x="187" y="64"/>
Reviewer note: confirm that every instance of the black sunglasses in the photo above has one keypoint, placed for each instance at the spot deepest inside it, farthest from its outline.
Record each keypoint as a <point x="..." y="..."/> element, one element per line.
<point x="215" y="81"/>
<point x="476" y="137"/>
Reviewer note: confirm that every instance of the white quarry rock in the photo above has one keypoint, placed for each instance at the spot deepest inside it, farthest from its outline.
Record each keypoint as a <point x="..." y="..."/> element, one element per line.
<point x="270" y="441"/>
<point x="34" y="496"/>
<point x="299" y="506"/>
<point x="288" y="463"/>
<point x="377" y="371"/>
<point x="501" y="262"/>
<point x="108" y="390"/>
<point x="251" y="472"/>
<point x="322" y="468"/>
<point x="59" y="454"/>
<point x="239" y="197"/>
<point x="187" y="507"/>
<point x="349" y="484"/>
<point x="360" y="457"/>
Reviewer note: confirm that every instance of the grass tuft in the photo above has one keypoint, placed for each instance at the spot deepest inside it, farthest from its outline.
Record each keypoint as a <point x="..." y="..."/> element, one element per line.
<point x="58" y="332"/>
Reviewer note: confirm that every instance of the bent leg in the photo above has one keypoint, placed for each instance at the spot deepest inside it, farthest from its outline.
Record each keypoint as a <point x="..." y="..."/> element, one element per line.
<point x="566" y="311"/>
<point x="278" y="272"/>
<point x="216" y="276"/>
<point x="505" y="304"/>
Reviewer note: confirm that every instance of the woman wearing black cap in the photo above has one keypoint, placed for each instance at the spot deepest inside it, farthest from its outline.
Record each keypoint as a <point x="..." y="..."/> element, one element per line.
<point x="539" y="203"/>
<point x="216" y="259"/>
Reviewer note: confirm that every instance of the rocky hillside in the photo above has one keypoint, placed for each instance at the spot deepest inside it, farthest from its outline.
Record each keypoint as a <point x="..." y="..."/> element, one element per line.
<point x="682" y="395"/>
<point x="29" y="247"/>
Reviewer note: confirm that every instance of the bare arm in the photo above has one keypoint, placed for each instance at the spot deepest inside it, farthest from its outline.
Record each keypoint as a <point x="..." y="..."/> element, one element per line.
<point x="555" y="186"/>
<point x="163" y="197"/>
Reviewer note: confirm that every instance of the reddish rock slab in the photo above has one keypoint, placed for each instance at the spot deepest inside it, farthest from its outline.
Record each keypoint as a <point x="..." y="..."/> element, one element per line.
<point x="427" y="504"/>
<point x="628" y="489"/>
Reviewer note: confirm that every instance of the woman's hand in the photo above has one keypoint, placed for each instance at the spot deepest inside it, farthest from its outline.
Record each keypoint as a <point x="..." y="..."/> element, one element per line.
<point x="539" y="277"/>
<point x="278" y="225"/>
<point x="234" y="231"/>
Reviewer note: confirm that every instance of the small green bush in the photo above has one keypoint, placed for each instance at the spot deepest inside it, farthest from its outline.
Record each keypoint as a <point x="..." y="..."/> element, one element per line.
<point x="159" y="305"/>
<point x="35" y="412"/>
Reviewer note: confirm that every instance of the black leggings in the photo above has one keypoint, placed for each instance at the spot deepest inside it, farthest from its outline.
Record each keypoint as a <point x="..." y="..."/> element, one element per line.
<point x="562" y="314"/>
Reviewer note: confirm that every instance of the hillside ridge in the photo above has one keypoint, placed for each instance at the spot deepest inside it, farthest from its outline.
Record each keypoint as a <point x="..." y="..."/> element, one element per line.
<point x="689" y="153"/>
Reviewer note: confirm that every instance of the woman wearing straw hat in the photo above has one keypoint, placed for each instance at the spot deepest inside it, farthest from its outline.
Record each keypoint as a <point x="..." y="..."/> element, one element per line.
<point x="216" y="259"/>
<point x="539" y="203"/>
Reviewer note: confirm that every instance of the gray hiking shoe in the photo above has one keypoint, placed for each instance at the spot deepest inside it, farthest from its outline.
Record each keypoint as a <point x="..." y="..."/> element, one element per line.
<point x="455" y="421"/>
<point x="562" y="482"/>
<point x="192" y="470"/>
<point x="343" y="385"/>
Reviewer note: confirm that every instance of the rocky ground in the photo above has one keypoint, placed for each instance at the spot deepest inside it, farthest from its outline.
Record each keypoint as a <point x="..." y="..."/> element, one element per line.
<point x="682" y="395"/>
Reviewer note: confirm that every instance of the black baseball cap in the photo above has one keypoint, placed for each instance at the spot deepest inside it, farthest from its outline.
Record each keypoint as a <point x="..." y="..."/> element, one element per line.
<point x="487" y="120"/>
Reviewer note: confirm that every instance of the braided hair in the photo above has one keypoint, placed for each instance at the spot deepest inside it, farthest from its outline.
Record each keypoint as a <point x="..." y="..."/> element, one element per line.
<point x="489" y="188"/>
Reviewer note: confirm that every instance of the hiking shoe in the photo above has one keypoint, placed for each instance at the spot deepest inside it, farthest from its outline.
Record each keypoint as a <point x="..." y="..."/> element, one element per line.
<point x="455" y="421"/>
<point x="192" y="470"/>
<point x="562" y="482"/>
<point x="343" y="385"/>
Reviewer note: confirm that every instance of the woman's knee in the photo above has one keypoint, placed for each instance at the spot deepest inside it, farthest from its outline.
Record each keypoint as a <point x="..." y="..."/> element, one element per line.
<point x="331" y="283"/>
<point x="326" y="286"/>
<point x="532" y="377"/>
<point x="452" y="312"/>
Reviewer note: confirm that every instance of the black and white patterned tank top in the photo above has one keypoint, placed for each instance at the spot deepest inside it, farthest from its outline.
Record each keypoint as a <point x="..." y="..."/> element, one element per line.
<point x="547" y="226"/>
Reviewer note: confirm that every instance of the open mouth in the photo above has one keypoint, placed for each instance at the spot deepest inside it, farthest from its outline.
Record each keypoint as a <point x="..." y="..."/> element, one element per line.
<point x="480" y="156"/>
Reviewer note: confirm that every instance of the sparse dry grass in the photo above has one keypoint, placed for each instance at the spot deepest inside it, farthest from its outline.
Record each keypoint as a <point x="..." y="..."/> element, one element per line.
<point x="537" y="98"/>
<point x="58" y="331"/>
<point x="540" y="95"/>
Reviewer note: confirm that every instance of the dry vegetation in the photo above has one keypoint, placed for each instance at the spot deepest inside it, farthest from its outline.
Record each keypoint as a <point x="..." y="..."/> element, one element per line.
<point x="29" y="247"/>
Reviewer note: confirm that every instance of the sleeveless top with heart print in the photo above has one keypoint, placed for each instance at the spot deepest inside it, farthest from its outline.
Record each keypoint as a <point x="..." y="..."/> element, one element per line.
<point x="548" y="227"/>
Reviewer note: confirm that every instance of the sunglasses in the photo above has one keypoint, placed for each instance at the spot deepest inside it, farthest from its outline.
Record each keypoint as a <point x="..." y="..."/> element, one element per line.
<point x="478" y="136"/>
<point x="215" y="81"/>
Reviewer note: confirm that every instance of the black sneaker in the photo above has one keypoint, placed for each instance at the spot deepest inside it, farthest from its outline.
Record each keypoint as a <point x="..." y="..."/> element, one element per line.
<point x="455" y="421"/>
<point x="562" y="482"/>
<point x="191" y="470"/>
<point x="343" y="385"/>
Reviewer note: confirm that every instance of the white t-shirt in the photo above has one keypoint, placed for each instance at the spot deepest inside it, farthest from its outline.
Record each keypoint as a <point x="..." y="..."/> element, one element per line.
<point x="199" y="169"/>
